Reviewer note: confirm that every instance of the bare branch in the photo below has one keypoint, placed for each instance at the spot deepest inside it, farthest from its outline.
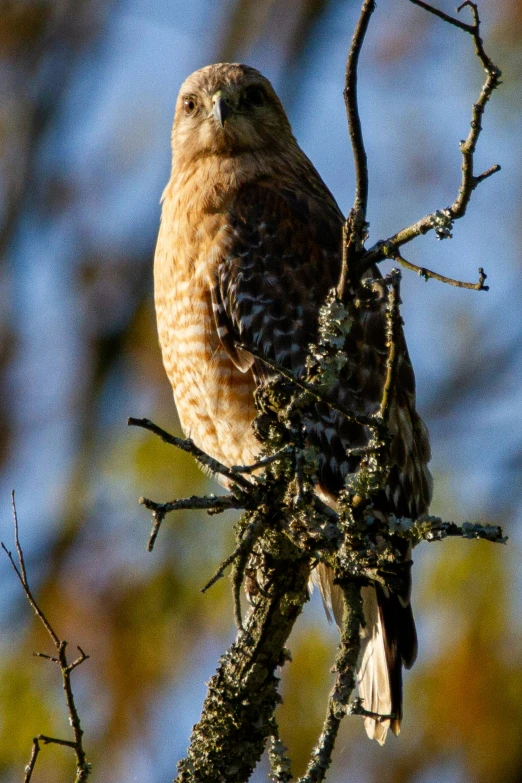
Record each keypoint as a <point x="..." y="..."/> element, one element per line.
<point x="441" y="221"/>
<point x="354" y="122"/>
<point x="211" y="503"/>
<point x="445" y="17"/>
<point x="345" y="666"/>
<point x="486" y="174"/>
<point x="55" y="741"/>
<point x="83" y="768"/>
<point x="22" y="576"/>
<point x="393" y="323"/>
<point x="47" y="657"/>
<point x="32" y="761"/>
<point x="355" y="226"/>
<point x="190" y="447"/>
<point x="427" y="274"/>
<point x="83" y="657"/>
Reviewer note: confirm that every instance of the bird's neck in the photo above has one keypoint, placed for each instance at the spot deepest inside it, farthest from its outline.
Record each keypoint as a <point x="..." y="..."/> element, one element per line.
<point x="213" y="180"/>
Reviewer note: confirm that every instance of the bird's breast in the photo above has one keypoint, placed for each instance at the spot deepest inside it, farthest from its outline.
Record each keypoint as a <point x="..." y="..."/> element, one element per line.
<point x="213" y="398"/>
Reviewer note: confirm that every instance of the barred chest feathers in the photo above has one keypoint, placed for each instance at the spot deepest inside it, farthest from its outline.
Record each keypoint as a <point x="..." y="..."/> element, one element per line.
<point x="213" y="397"/>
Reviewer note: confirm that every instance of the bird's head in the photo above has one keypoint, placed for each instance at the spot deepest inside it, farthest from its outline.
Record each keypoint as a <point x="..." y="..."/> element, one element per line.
<point x="227" y="109"/>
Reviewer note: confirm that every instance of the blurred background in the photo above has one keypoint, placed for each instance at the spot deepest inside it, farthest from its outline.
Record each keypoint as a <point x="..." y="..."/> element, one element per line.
<point x="87" y="97"/>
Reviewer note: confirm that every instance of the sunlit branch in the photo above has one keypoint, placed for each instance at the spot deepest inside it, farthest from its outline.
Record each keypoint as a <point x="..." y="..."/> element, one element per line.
<point x="393" y="323"/>
<point x="280" y="764"/>
<point x="190" y="447"/>
<point x="211" y="503"/>
<point x="354" y="229"/>
<point x="430" y="528"/>
<point x="345" y="667"/>
<point x="441" y="221"/>
<point x="83" y="768"/>
<point x="428" y="274"/>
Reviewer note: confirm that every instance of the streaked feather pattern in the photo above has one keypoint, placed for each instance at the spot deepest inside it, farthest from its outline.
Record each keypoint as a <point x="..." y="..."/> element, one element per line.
<point x="248" y="248"/>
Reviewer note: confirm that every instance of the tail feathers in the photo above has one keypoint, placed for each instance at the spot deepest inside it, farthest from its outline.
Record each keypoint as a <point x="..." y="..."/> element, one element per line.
<point x="388" y="641"/>
<point x="378" y="683"/>
<point x="331" y="595"/>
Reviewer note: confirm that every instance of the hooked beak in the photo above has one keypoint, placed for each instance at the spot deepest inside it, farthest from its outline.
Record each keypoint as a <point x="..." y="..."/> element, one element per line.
<point x="221" y="107"/>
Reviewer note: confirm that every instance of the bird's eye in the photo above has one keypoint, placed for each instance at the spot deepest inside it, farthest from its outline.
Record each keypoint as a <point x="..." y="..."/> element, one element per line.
<point x="254" y="95"/>
<point x="189" y="104"/>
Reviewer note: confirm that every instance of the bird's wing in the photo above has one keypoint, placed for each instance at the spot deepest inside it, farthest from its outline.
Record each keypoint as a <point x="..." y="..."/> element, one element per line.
<point x="281" y="256"/>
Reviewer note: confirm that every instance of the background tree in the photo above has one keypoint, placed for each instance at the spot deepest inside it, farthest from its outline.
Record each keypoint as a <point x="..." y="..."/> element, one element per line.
<point x="85" y="153"/>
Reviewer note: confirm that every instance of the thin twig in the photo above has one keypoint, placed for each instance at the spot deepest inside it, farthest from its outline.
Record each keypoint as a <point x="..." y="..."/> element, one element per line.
<point x="427" y="274"/>
<point x="354" y="121"/>
<point x="262" y="463"/>
<point x="55" y="741"/>
<point x="441" y="221"/>
<point x="469" y="181"/>
<point x="47" y="657"/>
<point x="32" y="761"/>
<point x="356" y="708"/>
<point x="445" y="17"/>
<point x="393" y="321"/>
<point x="211" y="503"/>
<point x="345" y="666"/>
<point x="245" y="544"/>
<point x="354" y="232"/>
<point x="222" y="568"/>
<point x="83" y="657"/>
<point x="190" y="447"/>
<point x="83" y="768"/>
<point x="22" y="576"/>
<point x="430" y="528"/>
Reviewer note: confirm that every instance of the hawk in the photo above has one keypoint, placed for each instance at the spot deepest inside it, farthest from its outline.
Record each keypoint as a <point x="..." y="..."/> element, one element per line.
<point x="248" y="248"/>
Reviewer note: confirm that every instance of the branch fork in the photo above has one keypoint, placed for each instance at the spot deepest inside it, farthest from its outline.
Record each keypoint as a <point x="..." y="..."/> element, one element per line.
<point x="83" y="767"/>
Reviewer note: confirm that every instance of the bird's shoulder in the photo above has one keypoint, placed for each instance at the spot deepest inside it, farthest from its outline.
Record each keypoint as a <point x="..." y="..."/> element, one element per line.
<point x="286" y="207"/>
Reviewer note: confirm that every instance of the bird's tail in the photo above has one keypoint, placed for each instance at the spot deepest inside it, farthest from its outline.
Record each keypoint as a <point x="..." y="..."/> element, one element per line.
<point x="388" y="641"/>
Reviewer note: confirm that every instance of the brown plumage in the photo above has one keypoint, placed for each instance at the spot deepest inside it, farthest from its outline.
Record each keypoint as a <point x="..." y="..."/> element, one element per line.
<point x="248" y="248"/>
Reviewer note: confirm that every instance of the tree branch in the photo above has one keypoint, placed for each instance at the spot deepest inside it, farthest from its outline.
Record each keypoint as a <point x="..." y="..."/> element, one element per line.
<point x="393" y="323"/>
<point x="83" y="768"/>
<point x="427" y="274"/>
<point x="190" y="447"/>
<point x="211" y="503"/>
<point x="354" y="229"/>
<point x="441" y="221"/>
<point x="237" y="714"/>
<point x="345" y="666"/>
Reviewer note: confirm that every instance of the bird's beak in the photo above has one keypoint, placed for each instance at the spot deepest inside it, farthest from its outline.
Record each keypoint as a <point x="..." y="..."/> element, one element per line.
<point x="221" y="107"/>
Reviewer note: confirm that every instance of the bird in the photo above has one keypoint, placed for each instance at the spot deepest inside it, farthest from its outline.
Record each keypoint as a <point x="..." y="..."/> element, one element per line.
<point x="249" y="246"/>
